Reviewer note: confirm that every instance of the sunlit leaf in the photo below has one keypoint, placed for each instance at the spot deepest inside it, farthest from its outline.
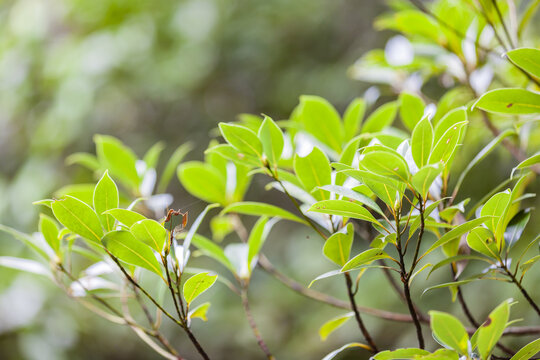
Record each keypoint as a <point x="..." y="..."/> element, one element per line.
<point x="196" y="285"/>
<point x="272" y="141"/>
<point x="528" y="351"/>
<point x="126" y="217"/>
<point x="337" y="247"/>
<point x="106" y="198"/>
<point x="314" y="171"/>
<point x="422" y="142"/>
<point x="381" y="118"/>
<point x="343" y="208"/>
<point x="242" y="139"/>
<point x="526" y="58"/>
<point x="78" y="217"/>
<point x="492" y="329"/>
<point x="118" y="158"/>
<point x="260" y="209"/>
<point x="333" y="324"/>
<point x="352" y="119"/>
<point x="510" y="101"/>
<point x="150" y="232"/>
<point x="49" y="229"/>
<point x="449" y="330"/>
<point x="364" y="258"/>
<point x="321" y="120"/>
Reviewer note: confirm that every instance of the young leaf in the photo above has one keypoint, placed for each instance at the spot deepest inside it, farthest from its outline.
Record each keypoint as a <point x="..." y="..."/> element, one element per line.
<point x="210" y="249"/>
<point x="381" y="118"/>
<point x="257" y="237"/>
<point x="452" y="118"/>
<point x="450" y="331"/>
<point x="528" y="351"/>
<point x="203" y="181"/>
<point x="447" y="144"/>
<point x="526" y="58"/>
<point x="199" y="312"/>
<point x="422" y="142"/>
<point x="492" y="329"/>
<point x="481" y="239"/>
<point x="231" y="153"/>
<point x="423" y="179"/>
<point x="364" y="258"/>
<point x="260" y="209"/>
<point x="337" y="247"/>
<point x="151" y="157"/>
<point x="533" y="160"/>
<point x="78" y="217"/>
<point x="400" y="354"/>
<point x="343" y="208"/>
<point x="314" y="171"/>
<point x="196" y="285"/>
<point x="242" y="139"/>
<point x="496" y="207"/>
<point x="118" y="158"/>
<point x="386" y="164"/>
<point x="49" y="229"/>
<point x="150" y="232"/>
<point x="353" y="117"/>
<point x="411" y="110"/>
<point x="106" y="198"/>
<point x="123" y="245"/>
<point x="333" y="324"/>
<point x="510" y="101"/>
<point x="89" y="161"/>
<point x="321" y="120"/>
<point x="126" y="217"/>
<point x="272" y="141"/>
<point x="354" y="195"/>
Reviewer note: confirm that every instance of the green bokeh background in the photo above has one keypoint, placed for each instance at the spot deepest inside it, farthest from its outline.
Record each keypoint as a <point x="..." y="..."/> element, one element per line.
<point x="145" y="71"/>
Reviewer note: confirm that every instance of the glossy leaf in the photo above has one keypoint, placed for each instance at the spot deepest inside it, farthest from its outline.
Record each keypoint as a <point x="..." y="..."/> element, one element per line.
<point x="352" y="119"/>
<point x="27" y="265"/>
<point x="381" y="118"/>
<point x="497" y="207"/>
<point x="123" y="245"/>
<point x="422" y="142"/>
<point x="364" y="258"/>
<point x="203" y="181"/>
<point x="492" y="329"/>
<point x="533" y="160"/>
<point x="510" y="101"/>
<point x="353" y="195"/>
<point x="210" y="249"/>
<point x="456" y="232"/>
<point x="528" y="351"/>
<point x="424" y="178"/>
<point x="447" y="144"/>
<point x="242" y="139"/>
<point x="343" y="208"/>
<point x="314" y="171"/>
<point x="337" y="247"/>
<point x="411" y="109"/>
<point x="199" y="312"/>
<point x="321" y="120"/>
<point x="449" y="330"/>
<point x="450" y="119"/>
<point x="49" y="229"/>
<point x="124" y="216"/>
<point x="526" y="58"/>
<point x="150" y="232"/>
<point x="257" y="238"/>
<point x="78" y="217"/>
<point x="386" y="164"/>
<point x="196" y="285"/>
<point x="333" y="324"/>
<point x="261" y="209"/>
<point x="118" y="158"/>
<point x="272" y="141"/>
<point x="106" y="198"/>
<point x="400" y="354"/>
<point x="481" y="240"/>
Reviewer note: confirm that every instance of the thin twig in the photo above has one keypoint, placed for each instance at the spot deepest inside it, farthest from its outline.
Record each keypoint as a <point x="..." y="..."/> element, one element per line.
<point x="363" y="328"/>
<point x="253" y="325"/>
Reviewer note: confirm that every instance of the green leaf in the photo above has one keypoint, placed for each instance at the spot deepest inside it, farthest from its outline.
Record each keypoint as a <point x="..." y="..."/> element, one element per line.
<point x="482" y="154"/>
<point x="422" y="142"/>
<point x="203" y="181"/>
<point x="526" y="58"/>
<point x="242" y="139"/>
<point x="123" y="245"/>
<point x="192" y="230"/>
<point x="400" y="354"/>
<point x="21" y="264"/>
<point x="210" y="249"/>
<point x="480" y="239"/>
<point x="423" y="179"/>
<point x="231" y="153"/>
<point x="83" y="192"/>
<point x="49" y="229"/>
<point x="337" y="247"/>
<point x="510" y="101"/>
<point x="456" y="232"/>
<point x="492" y="329"/>
<point x="528" y="351"/>
<point x="515" y="227"/>
<point x="352" y="119"/>
<point x="411" y="109"/>
<point x="151" y="157"/>
<point x="386" y="164"/>
<point x="150" y="232"/>
<point x="334" y="353"/>
<point x="87" y="160"/>
<point x="171" y="166"/>
<point x="343" y="208"/>
<point x="106" y="198"/>
<point x="199" y="312"/>
<point x="381" y="118"/>
<point x="321" y="120"/>
<point x="528" y="264"/>
<point x="196" y="285"/>
<point x="126" y="217"/>
<point x="314" y="171"/>
<point x="257" y="237"/>
<point x="353" y="195"/>
<point x="26" y="240"/>
<point x="118" y="158"/>
<point x="450" y="119"/>
<point x="497" y="207"/>
<point x="261" y="209"/>
<point x="533" y="160"/>
<point x="78" y="217"/>
<point x="447" y="144"/>
<point x="272" y="141"/>
<point x="449" y="330"/>
<point x="333" y="324"/>
<point x="364" y="258"/>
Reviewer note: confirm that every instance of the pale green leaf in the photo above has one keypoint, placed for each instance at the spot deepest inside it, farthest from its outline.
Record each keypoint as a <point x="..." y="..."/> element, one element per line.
<point x="333" y="324"/>
<point x="528" y="351"/>
<point x="124" y="216"/>
<point x="49" y="229"/>
<point x="526" y="58"/>
<point x="337" y="247"/>
<point x="456" y="232"/>
<point x="449" y="330"/>
<point x="381" y="118"/>
<point x="272" y="141"/>
<point x="343" y="208"/>
<point x="364" y="258"/>
<point x="422" y="142"/>
<point x="196" y="285"/>
<point x="492" y="329"/>
<point x="321" y="120"/>
<point x="314" y="171"/>
<point x="118" y="158"/>
<point x="105" y="198"/>
<point x="510" y="101"/>
<point x="352" y="119"/>
<point x="261" y="209"/>
<point x="150" y="232"/>
<point x="78" y="217"/>
<point x="199" y="312"/>
<point x="242" y="138"/>
<point x="203" y="181"/>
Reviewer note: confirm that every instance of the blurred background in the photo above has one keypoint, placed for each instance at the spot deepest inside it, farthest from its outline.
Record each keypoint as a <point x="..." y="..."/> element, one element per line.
<point x="146" y="71"/>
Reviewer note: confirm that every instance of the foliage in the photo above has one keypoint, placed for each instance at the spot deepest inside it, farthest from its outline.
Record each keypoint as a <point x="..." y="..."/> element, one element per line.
<point x="349" y="177"/>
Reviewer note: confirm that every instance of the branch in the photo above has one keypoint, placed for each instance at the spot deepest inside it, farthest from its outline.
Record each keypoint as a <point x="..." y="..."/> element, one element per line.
<point x="363" y="328"/>
<point x="253" y="325"/>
